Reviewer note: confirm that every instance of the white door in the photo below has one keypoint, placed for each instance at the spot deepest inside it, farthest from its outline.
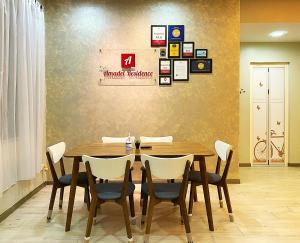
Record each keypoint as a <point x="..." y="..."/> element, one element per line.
<point x="268" y="114"/>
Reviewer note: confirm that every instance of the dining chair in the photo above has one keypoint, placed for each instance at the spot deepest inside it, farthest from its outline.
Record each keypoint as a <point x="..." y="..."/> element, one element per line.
<point x="54" y="155"/>
<point x="111" y="169"/>
<point x="116" y="139"/>
<point x="166" y="139"/>
<point x="164" y="168"/>
<point x="224" y="152"/>
<point x="143" y="139"/>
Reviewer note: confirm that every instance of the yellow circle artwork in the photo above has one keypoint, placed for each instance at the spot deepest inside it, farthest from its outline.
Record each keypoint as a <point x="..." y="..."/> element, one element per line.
<point x="176" y="32"/>
<point x="200" y="65"/>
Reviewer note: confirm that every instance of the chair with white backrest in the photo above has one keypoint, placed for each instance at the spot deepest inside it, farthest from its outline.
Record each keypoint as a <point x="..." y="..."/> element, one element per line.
<point x="166" y="139"/>
<point x="54" y="155"/>
<point x="145" y="140"/>
<point x="224" y="152"/>
<point x="164" y="168"/>
<point x="110" y="169"/>
<point x="116" y="139"/>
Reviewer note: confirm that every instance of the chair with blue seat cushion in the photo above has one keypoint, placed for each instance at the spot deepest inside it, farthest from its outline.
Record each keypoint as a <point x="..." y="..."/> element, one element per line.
<point x="149" y="140"/>
<point x="224" y="152"/>
<point x="110" y="169"/>
<point x="164" y="168"/>
<point x="165" y="139"/>
<point x="54" y="155"/>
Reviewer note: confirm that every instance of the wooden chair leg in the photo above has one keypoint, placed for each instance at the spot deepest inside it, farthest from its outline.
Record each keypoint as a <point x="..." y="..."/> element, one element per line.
<point x="149" y="221"/>
<point x="87" y="197"/>
<point x="144" y="210"/>
<point x="228" y="203"/>
<point x="186" y="221"/>
<point x="195" y="195"/>
<point x="132" y="211"/>
<point x="61" y="197"/>
<point x="181" y="217"/>
<point x="220" y="196"/>
<point x="90" y="220"/>
<point x="191" y="201"/>
<point x="126" y="219"/>
<point x="143" y="181"/>
<point x="51" y="204"/>
<point x="95" y="214"/>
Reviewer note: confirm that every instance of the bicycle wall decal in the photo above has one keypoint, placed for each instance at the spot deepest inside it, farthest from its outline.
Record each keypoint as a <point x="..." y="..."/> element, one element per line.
<point x="260" y="149"/>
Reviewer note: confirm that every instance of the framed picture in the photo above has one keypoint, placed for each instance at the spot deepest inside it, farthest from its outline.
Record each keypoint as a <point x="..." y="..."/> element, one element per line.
<point x="158" y="35"/>
<point x="201" y="53"/>
<point x="164" y="66"/>
<point x="165" y="80"/>
<point x="163" y="52"/>
<point x="174" y="49"/>
<point x="181" y="70"/>
<point x="201" y="65"/>
<point x="176" y="33"/>
<point x="188" y="49"/>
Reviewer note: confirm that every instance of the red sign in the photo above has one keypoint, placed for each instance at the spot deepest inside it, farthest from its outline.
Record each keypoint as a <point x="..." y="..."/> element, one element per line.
<point x="127" y="60"/>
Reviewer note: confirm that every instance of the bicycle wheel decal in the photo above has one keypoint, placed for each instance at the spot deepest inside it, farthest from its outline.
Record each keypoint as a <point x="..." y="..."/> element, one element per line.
<point x="260" y="151"/>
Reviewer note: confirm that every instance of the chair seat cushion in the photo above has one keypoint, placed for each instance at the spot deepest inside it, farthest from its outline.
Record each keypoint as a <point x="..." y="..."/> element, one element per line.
<point x="66" y="179"/>
<point x="163" y="190"/>
<point x="112" y="191"/>
<point x="213" y="178"/>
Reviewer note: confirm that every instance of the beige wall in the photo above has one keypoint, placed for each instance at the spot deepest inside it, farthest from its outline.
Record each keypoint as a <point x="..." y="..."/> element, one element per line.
<point x="271" y="52"/>
<point x="79" y="111"/>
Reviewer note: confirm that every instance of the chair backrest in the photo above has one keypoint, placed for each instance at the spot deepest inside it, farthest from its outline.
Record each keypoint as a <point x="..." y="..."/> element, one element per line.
<point x="55" y="154"/>
<point x="224" y="151"/>
<point x="167" y="168"/>
<point x="111" y="168"/>
<point x="166" y="139"/>
<point x="57" y="151"/>
<point x="116" y="139"/>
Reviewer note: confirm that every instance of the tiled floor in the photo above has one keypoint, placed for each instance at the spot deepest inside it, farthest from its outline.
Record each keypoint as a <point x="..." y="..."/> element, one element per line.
<point x="266" y="207"/>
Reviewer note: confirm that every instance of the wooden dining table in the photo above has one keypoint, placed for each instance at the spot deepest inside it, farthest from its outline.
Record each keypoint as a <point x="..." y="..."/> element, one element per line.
<point x="109" y="150"/>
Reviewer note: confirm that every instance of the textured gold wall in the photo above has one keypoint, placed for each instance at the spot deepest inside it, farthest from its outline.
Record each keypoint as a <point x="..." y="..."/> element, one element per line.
<point x="80" y="111"/>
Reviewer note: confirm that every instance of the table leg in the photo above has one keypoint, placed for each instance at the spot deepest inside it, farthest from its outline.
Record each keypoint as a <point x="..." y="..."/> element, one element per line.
<point x="75" y="172"/>
<point x="206" y="192"/>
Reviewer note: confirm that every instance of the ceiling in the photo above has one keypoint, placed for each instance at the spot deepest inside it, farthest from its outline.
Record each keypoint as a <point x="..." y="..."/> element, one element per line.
<point x="259" y="32"/>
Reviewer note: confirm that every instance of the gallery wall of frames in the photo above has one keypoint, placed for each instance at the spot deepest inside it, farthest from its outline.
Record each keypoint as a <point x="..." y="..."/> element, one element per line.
<point x="178" y="58"/>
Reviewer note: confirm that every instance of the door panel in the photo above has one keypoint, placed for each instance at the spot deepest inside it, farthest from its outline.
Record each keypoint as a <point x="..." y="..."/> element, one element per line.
<point x="276" y="84"/>
<point x="259" y="132"/>
<point x="277" y="132"/>
<point x="276" y="115"/>
<point x="260" y="84"/>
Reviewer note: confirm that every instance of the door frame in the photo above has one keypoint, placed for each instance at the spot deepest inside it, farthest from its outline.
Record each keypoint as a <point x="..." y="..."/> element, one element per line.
<point x="284" y="65"/>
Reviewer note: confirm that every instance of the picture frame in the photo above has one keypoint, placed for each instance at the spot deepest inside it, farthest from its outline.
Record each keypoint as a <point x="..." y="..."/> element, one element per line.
<point x="174" y="50"/>
<point x="201" y="53"/>
<point x="176" y="33"/>
<point x="158" y="35"/>
<point x="165" y="80"/>
<point x="163" y="52"/>
<point x="187" y="49"/>
<point x="180" y="71"/>
<point x="165" y="66"/>
<point x="201" y="65"/>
